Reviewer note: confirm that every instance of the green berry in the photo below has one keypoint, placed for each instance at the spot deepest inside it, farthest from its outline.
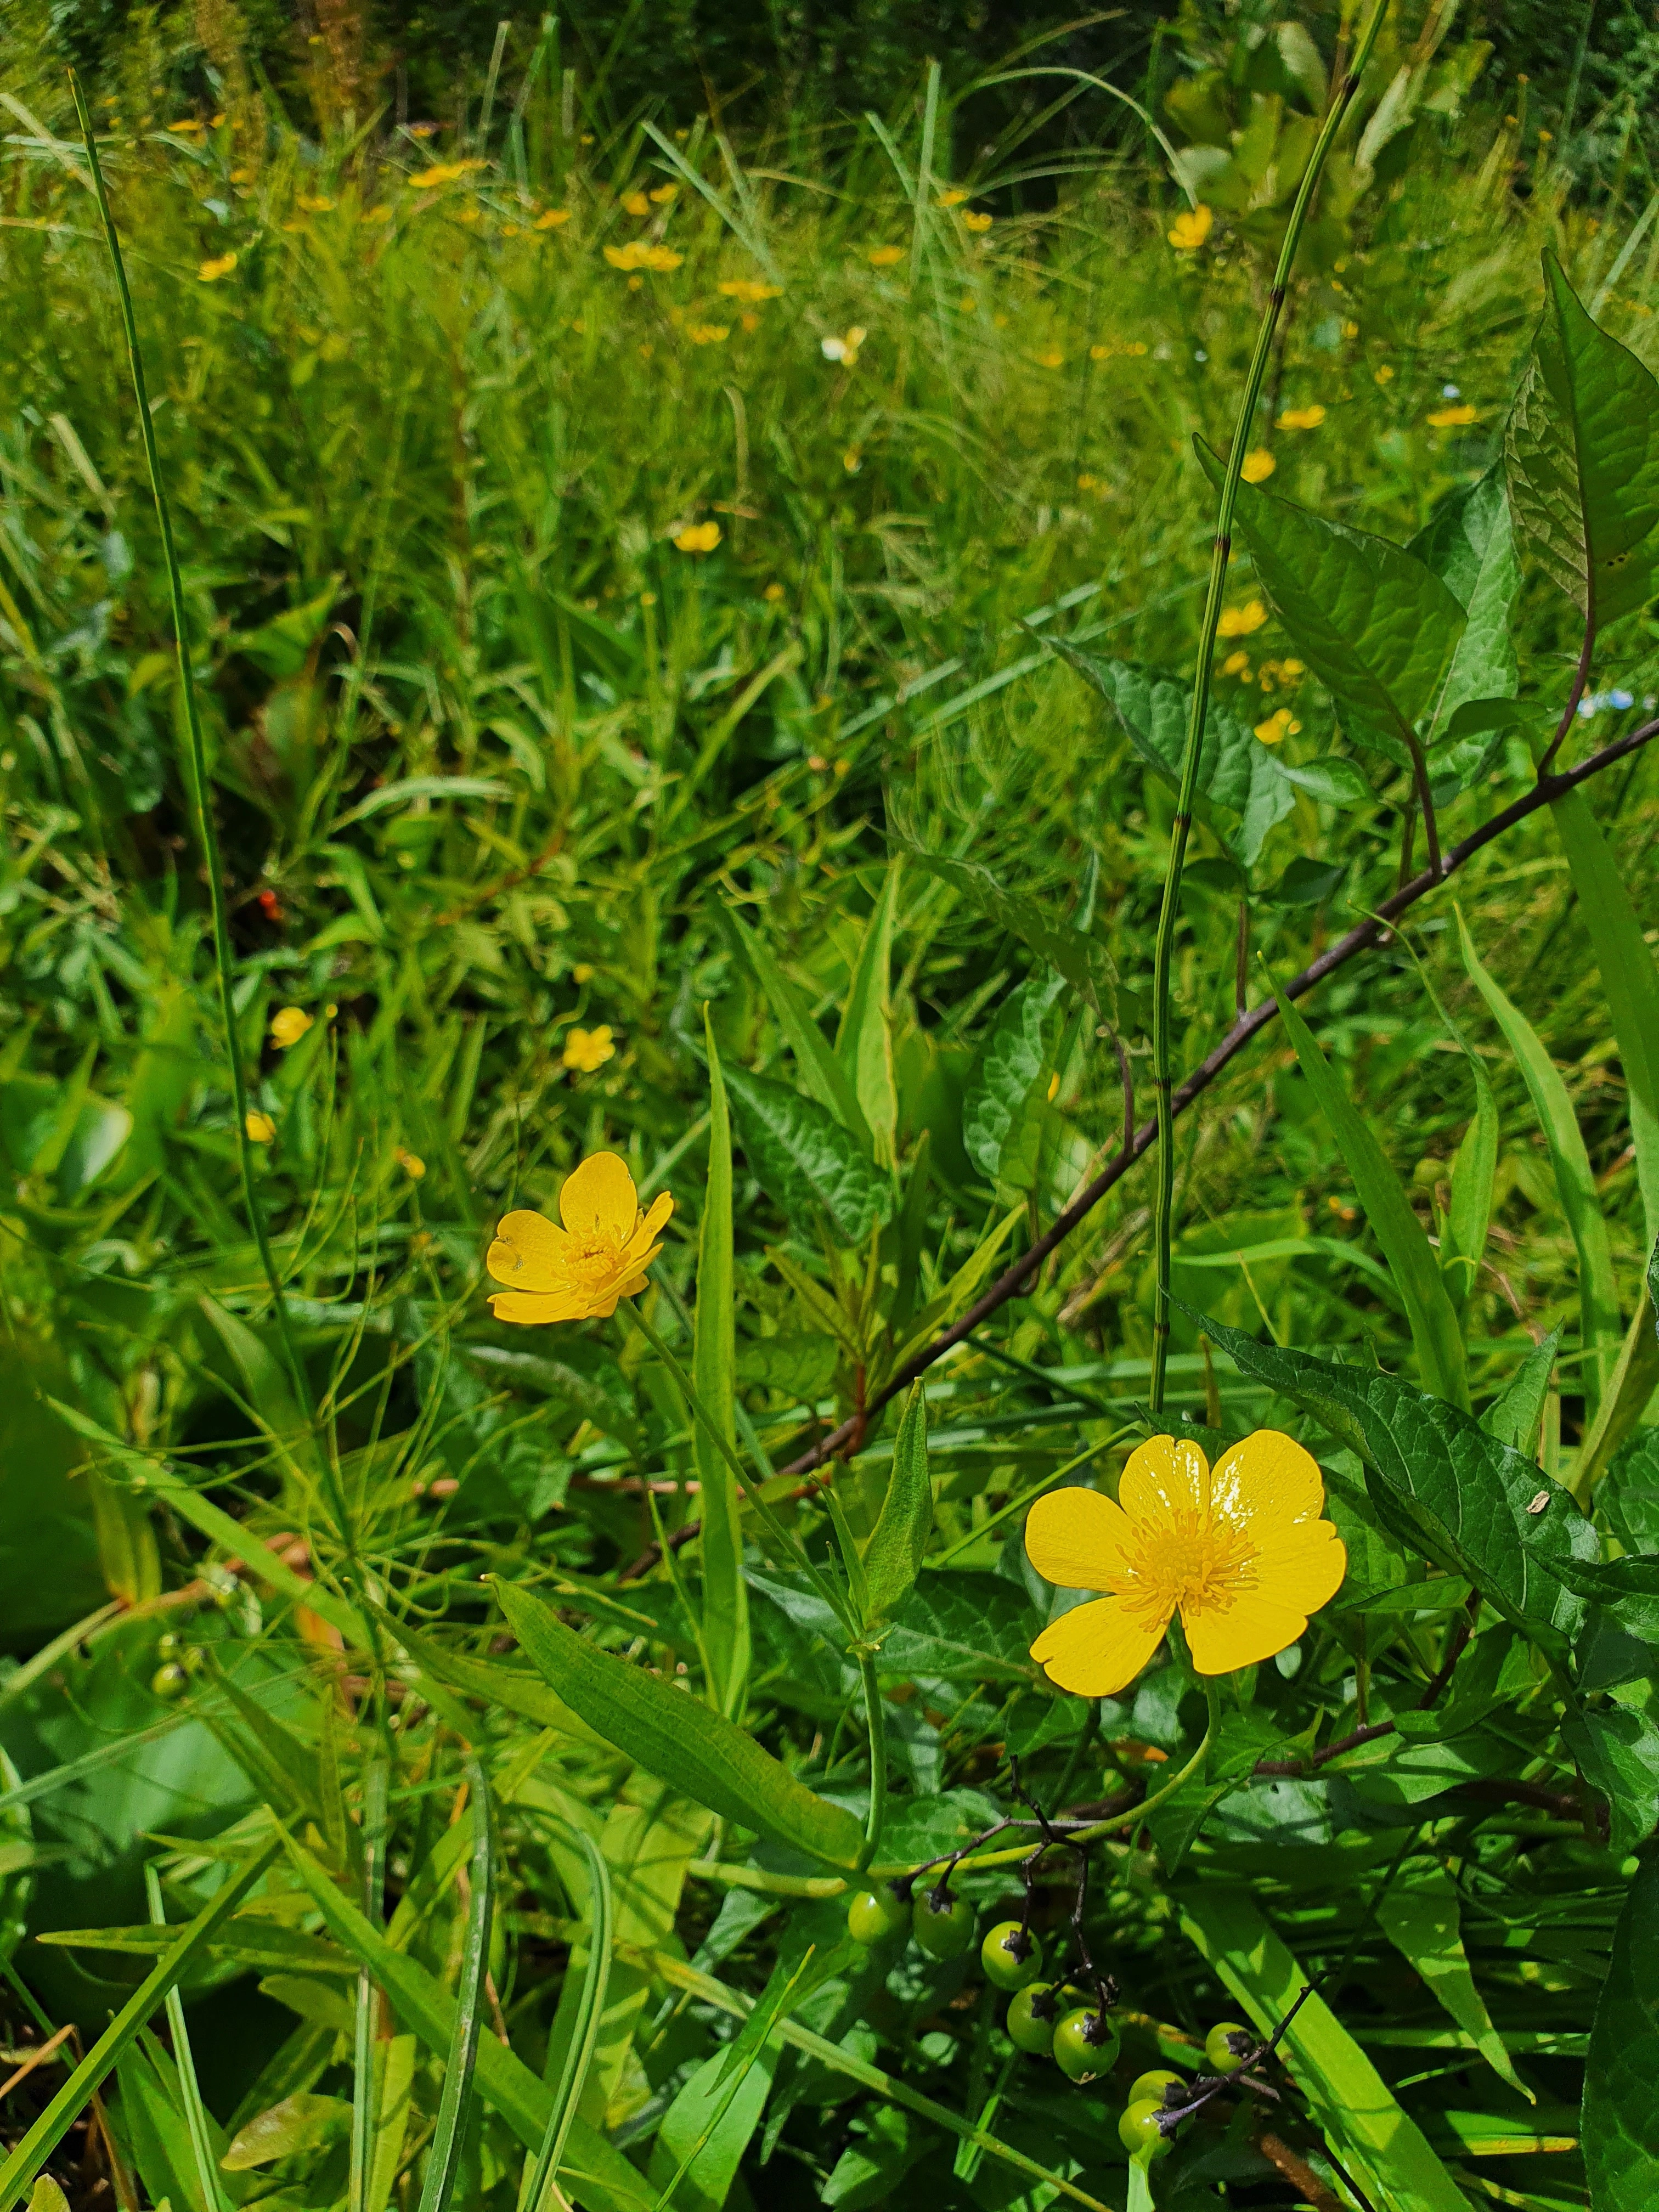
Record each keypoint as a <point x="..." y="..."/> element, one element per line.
<point x="1155" y="2086"/>
<point x="874" y="1915"/>
<point x="167" y="1644"/>
<point x="943" y="1926"/>
<point x="1139" y="2130"/>
<point x="1225" y="2046"/>
<point x="169" y="1681"/>
<point x="1032" y="2012"/>
<point x="1085" y="2044"/>
<point x="1011" y="1956"/>
<point x="193" y="1658"/>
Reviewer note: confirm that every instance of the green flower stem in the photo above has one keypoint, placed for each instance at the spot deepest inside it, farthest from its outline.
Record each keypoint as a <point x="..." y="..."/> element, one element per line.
<point x="201" y="799"/>
<point x="878" y="1725"/>
<point x="1169" y="912"/>
<point x="784" y="1543"/>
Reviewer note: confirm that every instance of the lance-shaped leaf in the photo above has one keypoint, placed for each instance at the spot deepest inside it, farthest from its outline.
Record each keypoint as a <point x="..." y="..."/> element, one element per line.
<point x="1445" y="1487"/>
<point x="817" y="1068"/>
<point x="713" y="1370"/>
<point x="1470" y="545"/>
<point x="1376" y="624"/>
<point x="892" y="1558"/>
<point x="1005" y="1071"/>
<point x="864" y="1043"/>
<point x="1071" y="951"/>
<point x="1582" y="450"/>
<point x="805" y="1160"/>
<point x="672" y="1736"/>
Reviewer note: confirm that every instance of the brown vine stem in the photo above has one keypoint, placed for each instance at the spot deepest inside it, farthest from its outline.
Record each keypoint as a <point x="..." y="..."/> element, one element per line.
<point x="1543" y="793"/>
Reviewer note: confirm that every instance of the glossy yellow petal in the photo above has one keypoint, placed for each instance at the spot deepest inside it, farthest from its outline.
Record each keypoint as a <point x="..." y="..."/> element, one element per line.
<point x="1302" y="1566"/>
<point x="1077" y="1539"/>
<point x="1166" y="1477"/>
<point x="649" y="1225"/>
<point x="1269" y="1478"/>
<point x="529" y="1253"/>
<point x="1096" y="1650"/>
<point x="598" y="1198"/>
<point x="1252" y="1627"/>
<point x="529" y="1307"/>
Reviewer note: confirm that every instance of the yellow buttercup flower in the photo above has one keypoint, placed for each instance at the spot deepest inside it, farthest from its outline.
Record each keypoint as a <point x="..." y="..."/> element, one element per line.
<point x="1280" y="724"/>
<point x="749" y="291"/>
<point x="551" y="218"/>
<point x="1239" y="622"/>
<point x="587" y="1049"/>
<point x="1453" y="418"/>
<point x="261" y="1129"/>
<point x="1258" y="465"/>
<point x="696" y="538"/>
<point x="411" y="1163"/>
<point x="220" y="265"/>
<point x="883" y="257"/>
<point x="577" y="1273"/>
<point x="1303" y="419"/>
<point x="1190" y="228"/>
<point x="1242" y="1554"/>
<point x="636" y="203"/>
<point x="977" y="220"/>
<point x="954" y="197"/>
<point x="709" y="333"/>
<point x="288" y="1026"/>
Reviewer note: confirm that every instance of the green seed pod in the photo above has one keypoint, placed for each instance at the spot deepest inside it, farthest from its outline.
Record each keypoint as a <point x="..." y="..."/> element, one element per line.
<point x="1010" y="1955"/>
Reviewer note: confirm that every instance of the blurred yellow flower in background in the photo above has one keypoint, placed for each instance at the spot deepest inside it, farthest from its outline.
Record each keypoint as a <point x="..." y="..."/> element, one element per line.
<point x="709" y="333"/>
<point x="1242" y="1554"/>
<point x="587" y="1049"/>
<point x="551" y="218"/>
<point x="288" y="1026"/>
<point x="954" y="197"/>
<point x="261" y="1129"/>
<point x="1302" y="418"/>
<point x="636" y="203"/>
<point x="1453" y="418"/>
<point x="1239" y="622"/>
<point x="1278" y="725"/>
<point x="411" y="1163"/>
<point x="211" y="271"/>
<point x="844" y="348"/>
<point x="696" y="538"/>
<point x="1190" y="228"/>
<point x="1258" y="465"/>
<point x="748" y="290"/>
<point x="883" y="257"/>
<point x="976" y="221"/>
<point x="1382" y="375"/>
<point x="578" y="1271"/>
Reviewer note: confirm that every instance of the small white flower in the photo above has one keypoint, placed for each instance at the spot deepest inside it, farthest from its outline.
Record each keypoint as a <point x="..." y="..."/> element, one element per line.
<point x="1450" y="391"/>
<point x="834" y="349"/>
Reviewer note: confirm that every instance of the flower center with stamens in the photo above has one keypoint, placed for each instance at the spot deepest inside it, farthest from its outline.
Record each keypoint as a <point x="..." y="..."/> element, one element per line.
<point x="1189" y="1564"/>
<point x="593" y="1261"/>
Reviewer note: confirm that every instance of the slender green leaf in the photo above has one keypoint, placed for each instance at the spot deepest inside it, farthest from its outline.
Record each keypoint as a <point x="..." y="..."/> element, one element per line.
<point x="864" y="1043"/>
<point x="815" y="1065"/>
<point x="706" y="2129"/>
<point x="1516" y="1414"/>
<point x="595" y="2172"/>
<point x="583" y="2027"/>
<point x="1435" y="1332"/>
<point x="444" y="2157"/>
<point x="1445" y="1487"/>
<point x="807" y="1162"/>
<point x="1375" y="625"/>
<point x="1006" y="1070"/>
<point x="1574" y="1177"/>
<point x="189" y="2091"/>
<point x="29" y="2154"/>
<point x="1422" y="1919"/>
<point x="677" y="1740"/>
<point x="892" y="1558"/>
<point x="1620" y="2131"/>
<point x="714" y="1372"/>
<point x="1583" y="453"/>
<point x="1365" y="2125"/>
<point x="1630" y="977"/>
<point x="299" y="2123"/>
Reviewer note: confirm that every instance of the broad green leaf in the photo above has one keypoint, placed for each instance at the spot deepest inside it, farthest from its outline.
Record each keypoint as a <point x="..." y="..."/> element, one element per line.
<point x="892" y="1558"/>
<point x="1617" y="1754"/>
<point x="48" y="2196"/>
<point x="1436" y="1335"/>
<point x="1338" y="781"/>
<point x="673" y="1737"/>
<point x="1439" y="1482"/>
<point x="706" y="2130"/>
<point x="1070" y="950"/>
<point x="1620" y="2130"/>
<point x="1630" y="978"/>
<point x="1421" y="1918"/>
<point x="1574" y="1177"/>
<point x="1375" y="624"/>
<point x="804" y="1159"/>
<point x="1470" y="546"/>
<point x="816" y="1068"/>
<point x="1516" y="1414"/>
<point x="864" y="1043"/>
<point x="1627" y="1588"/>
<point x="1348" y="2098"/>
<point x="493" y="1682"/>
<point x="594" y="2173"/>
<point x="714" y="1372"/>
<point x="1583" y="452"/>
<point x="1006" y="1070"/>
<point x="1237" y="774"/>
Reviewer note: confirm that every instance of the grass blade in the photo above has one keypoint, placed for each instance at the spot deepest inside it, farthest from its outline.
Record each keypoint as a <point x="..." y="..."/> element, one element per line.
<point x="207" y="2170"/>
<point x="375" y="1783"/>
<point x="443" y="2161"/>
<point x="26" y="2161"/>
<point x="713" y="1370"/>
<point x="541" y="2195"/>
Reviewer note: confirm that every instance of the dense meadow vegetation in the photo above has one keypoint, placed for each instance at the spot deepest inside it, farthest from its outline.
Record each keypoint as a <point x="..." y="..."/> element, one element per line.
<point x="691" y="635"/>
